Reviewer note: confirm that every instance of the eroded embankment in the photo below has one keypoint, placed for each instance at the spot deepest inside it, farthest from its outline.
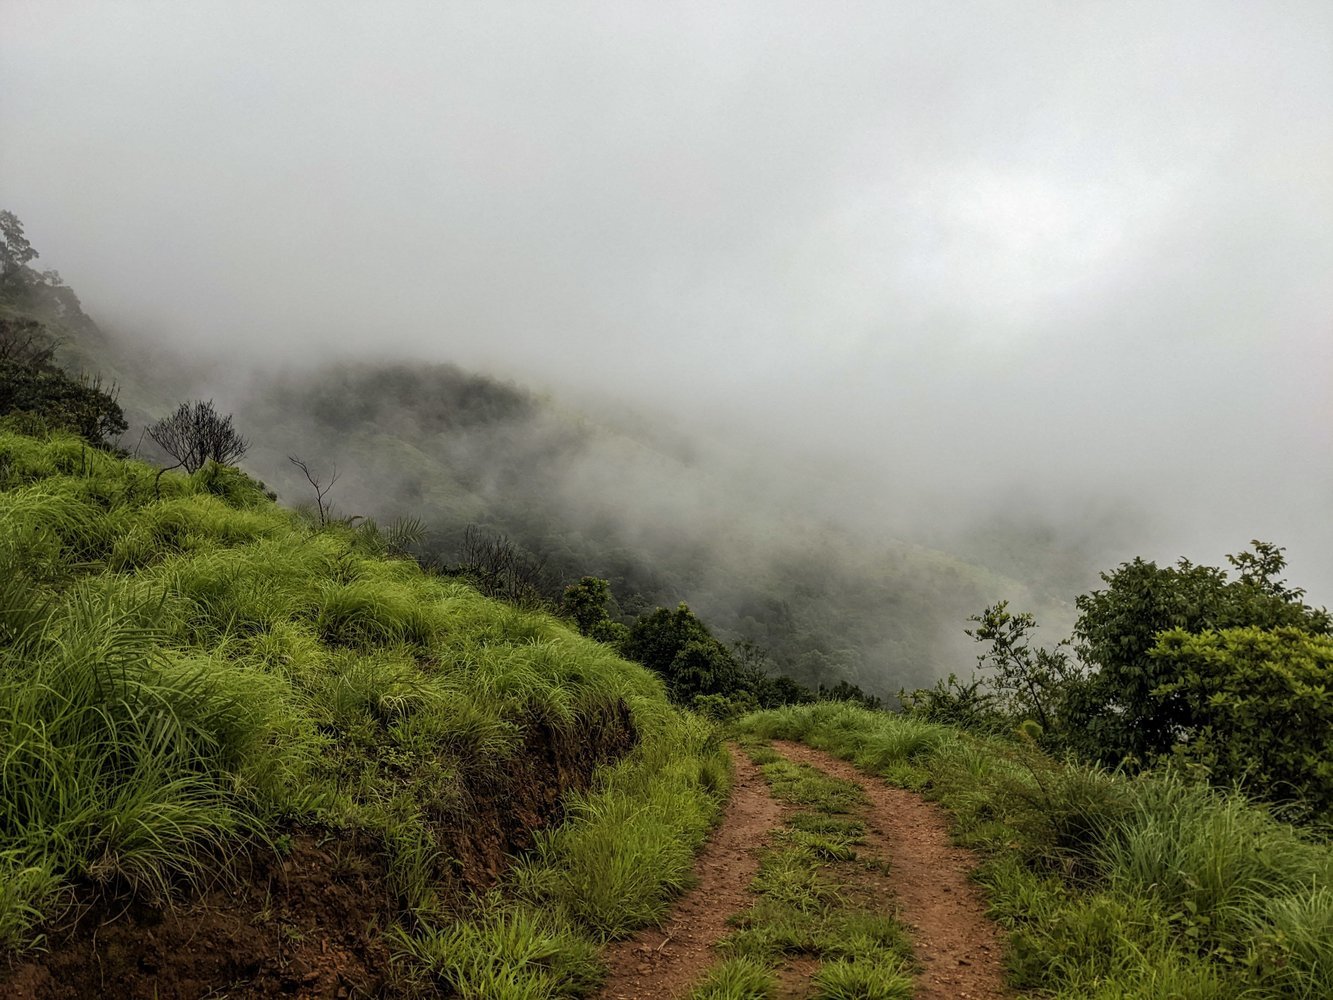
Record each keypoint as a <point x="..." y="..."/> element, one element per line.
<point x="667" y="961"/>
<point x="958" y="947"/>
<point x="310" y="921"/>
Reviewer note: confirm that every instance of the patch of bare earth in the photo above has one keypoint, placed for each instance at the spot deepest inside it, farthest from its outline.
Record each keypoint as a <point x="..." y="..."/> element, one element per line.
<point x="310" y="924"/>
<point x="958" y="946"/>
<point x="667" y="961"/>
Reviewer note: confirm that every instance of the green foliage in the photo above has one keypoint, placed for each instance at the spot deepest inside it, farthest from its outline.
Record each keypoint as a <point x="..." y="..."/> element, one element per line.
<point x="1127" y="707"/>
<point x="32" y="385"/>
<point x="863" y="979"/>
<point x="1259" y="706"/>
<point x="507" y="954"/>
<point x="1029" y="683"/>
<point x="16" y="252"/>
<point x="679" y="647"/>
<point x="629" y="845"/>
<point x="841" y="691"/>
<point x="952" y="702"/>
<point x="736" y="979"/>
<point x="585" y="603"/>
<point x="694" y="664"/>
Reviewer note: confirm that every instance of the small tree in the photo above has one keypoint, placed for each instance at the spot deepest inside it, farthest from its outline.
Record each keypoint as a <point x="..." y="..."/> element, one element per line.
<point x="196" y="434"/>
<point x="16" y="253"/>
<point x="321" y="489"/>
<point x="1031" y="681"/>
<point x="585" y="603"/>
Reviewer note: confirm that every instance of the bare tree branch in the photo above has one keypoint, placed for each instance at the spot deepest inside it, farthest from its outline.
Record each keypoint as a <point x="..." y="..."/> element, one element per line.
<point x="321" y="489"/>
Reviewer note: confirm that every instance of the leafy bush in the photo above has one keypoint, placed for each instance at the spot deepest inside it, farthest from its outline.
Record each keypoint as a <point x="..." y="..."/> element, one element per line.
<point x="1258" y="707"/>
<point x="952" y="702"/>
<point x="1120" y="711"/>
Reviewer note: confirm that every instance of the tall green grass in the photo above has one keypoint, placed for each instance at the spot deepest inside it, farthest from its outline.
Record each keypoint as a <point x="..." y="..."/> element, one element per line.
<point x="186" y="669"/>
<point x="625" y="850"/>
<point x="1111" y="887"/>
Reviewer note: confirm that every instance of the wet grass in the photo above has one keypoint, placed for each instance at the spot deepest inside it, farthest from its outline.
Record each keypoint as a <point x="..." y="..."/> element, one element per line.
<point x="1109" y="887"/>
<point x="187" y="669"/>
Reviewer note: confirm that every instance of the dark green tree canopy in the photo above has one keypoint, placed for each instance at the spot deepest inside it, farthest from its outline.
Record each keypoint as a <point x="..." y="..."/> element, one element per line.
<point x="1119" y="711"/>
<point x="32" y="384"/>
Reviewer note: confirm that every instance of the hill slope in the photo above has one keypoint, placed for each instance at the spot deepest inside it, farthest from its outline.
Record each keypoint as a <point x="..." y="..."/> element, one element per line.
<point x="197" y="686"/>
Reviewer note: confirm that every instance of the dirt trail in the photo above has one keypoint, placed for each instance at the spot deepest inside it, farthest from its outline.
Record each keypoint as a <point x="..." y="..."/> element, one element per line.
<point x="666" y="962"/>
<point x="944" y="911"/>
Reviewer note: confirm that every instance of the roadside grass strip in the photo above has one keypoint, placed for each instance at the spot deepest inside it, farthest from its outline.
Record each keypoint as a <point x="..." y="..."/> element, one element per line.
<point x="819" y="899"/>
<point x="623" y="854"/>
<point x="1111" y="888"/>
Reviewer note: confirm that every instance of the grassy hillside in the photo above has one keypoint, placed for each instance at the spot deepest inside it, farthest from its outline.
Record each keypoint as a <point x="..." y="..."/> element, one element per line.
<point x="203" y="694"/>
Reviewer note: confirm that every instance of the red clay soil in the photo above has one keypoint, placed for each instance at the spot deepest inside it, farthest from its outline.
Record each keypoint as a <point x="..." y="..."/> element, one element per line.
<point x="668" y="961"/>
<point x="943" y="909"/>
<point x="310" y="924"/>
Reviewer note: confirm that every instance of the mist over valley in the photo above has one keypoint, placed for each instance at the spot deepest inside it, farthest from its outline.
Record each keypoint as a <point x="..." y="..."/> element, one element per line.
<point x="836" y="328"/>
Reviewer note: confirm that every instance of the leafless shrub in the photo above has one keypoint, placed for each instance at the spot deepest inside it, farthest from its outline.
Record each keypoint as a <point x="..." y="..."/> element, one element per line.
<point x="196" y="434"/>
<point x="498" y="568"/>
<point x="321" y="489"/>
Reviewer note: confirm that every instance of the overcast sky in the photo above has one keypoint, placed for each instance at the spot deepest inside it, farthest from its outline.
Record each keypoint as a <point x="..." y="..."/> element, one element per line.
<point x="1082" y="247"/>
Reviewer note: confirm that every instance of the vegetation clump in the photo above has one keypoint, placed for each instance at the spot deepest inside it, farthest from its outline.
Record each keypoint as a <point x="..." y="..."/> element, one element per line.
<point x="1232" y="678"/>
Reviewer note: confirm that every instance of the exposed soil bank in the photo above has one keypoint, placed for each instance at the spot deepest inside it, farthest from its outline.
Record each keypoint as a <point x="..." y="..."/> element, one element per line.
<point x="665" y="962"/>
<point x="959" y="947"/>
<point x="311" y="924"/>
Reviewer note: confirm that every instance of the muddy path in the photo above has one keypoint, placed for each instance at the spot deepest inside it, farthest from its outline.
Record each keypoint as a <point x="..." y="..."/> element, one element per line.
<point x="668" y="961"/>
<point x="957" y="945"/>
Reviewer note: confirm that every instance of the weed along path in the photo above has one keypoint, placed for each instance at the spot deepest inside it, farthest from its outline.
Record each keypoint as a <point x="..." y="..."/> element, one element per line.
<point x="958" y="947"/>
<point x="666" y="962"/>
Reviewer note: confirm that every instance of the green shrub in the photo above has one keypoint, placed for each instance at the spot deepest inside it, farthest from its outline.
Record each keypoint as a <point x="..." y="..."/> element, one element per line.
<point x="506" y="953"/>
<point x="1259" y="706"/>
<point x="1121" y="710"/>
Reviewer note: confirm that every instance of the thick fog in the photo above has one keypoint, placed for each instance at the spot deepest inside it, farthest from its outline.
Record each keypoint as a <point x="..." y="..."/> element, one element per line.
<point x="917" y="265"/>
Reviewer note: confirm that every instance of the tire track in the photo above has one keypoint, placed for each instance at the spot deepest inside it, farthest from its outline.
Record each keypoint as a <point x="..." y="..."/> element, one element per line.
<point x="958" y="946"/>
<point x="667" y="961"/>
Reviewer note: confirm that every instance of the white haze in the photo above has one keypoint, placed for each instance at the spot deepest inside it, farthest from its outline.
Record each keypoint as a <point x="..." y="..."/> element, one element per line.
<point x="911" y="261"/>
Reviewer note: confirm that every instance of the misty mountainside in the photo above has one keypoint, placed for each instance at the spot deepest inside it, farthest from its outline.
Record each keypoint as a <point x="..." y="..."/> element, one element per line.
<point x="578" y="497"/>
<point x="633" y="503"/>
